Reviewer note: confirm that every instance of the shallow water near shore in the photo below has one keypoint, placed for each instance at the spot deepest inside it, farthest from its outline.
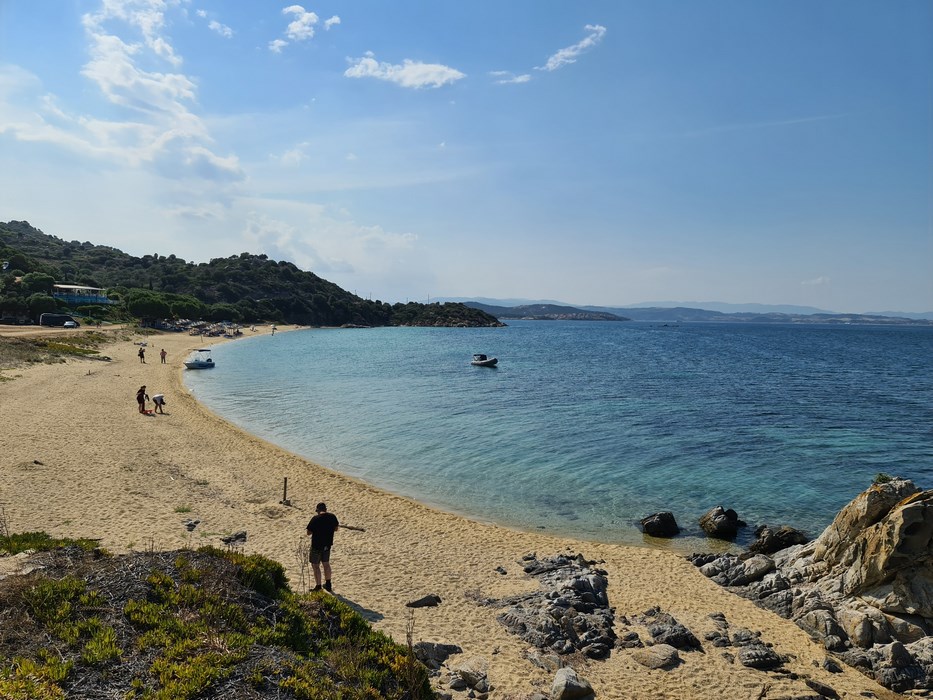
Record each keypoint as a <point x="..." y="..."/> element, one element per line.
<point x="586" y="427"/>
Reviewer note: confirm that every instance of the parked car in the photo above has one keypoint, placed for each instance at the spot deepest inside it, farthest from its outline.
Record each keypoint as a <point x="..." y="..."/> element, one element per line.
<point x="71" y="324"/>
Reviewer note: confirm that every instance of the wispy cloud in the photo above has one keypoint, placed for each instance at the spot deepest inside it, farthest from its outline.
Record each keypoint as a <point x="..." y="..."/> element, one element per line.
<point x="215" y="26"/>
<point x="339" y="245"/>
<point x="221" y="29"/>
<point x="301" y="28"/>
<point x="504" y="77"/>
<point x="147" y="16"/>
<point x="294" y="157"/>
<point x="821" y="281"/>
<point x="410" y="74"/>
<point x="571" y="53"/>
<point x="164" y="135"/>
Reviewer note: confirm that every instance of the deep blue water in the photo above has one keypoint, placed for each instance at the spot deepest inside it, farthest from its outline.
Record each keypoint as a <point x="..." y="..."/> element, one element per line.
<point x="586" y="427"/>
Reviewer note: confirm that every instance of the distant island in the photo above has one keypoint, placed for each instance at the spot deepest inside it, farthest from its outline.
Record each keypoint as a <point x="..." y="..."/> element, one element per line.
<point x="545" y="312"/>
<point x="680" y="314"/>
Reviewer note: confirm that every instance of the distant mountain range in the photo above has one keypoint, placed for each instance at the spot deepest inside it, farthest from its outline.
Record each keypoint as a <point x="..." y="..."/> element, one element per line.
<point x="720" y="306"/>
<point x="740" y="313"/>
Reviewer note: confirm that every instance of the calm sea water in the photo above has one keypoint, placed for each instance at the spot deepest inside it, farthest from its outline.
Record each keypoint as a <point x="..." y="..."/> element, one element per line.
<point x="586" y="427"/>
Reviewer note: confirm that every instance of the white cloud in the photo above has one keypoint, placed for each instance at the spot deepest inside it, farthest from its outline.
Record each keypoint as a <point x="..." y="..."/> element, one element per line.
<point x="411" y="74"/>
<point x="221" y="29"/>
<point x="316" y="239"/>
<point x="163" y="135"/>
<point x="302" y="27"/>
<point x="201" y="13"/>
<point x="294" y="156"/>
<point x="569" y="55"/>
<point x="146" y="16"/>
<point x="504" y="77"/>
<point x="821" y="281"/>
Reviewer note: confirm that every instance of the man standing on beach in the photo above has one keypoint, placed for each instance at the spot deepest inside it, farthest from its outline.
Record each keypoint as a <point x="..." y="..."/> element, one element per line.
<point x="162" y="354"/>
<point x="321" y="529"/>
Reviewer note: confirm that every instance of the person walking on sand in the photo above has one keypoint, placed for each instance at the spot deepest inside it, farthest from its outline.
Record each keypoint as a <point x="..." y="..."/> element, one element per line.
<point x="159" y="401"/>
<point x="141" y="398"/>
<point x="142" y="354"/>
<point x="162" y="354"/>
<point x="321" y="529"/>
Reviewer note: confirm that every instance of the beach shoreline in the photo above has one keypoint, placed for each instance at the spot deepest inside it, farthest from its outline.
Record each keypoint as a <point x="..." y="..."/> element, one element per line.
<point x="78" y="460"/>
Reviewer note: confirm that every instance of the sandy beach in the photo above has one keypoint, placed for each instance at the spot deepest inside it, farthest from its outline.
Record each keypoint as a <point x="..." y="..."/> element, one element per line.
<point x="78" y="459"/>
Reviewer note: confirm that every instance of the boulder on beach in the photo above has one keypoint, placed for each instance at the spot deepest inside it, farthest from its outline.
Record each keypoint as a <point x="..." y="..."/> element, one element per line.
<point x="769" y="541"/>
<point x="721" y="523"/>
<point x="660" y="525"/>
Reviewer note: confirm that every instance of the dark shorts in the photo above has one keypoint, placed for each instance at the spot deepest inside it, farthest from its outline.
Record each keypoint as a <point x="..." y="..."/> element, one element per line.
<point x="319" y="556"/>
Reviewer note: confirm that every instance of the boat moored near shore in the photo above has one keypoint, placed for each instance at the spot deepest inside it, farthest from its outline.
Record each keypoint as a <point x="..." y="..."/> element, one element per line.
<point x="200" y="359"/>
<point x="480" y="360"/>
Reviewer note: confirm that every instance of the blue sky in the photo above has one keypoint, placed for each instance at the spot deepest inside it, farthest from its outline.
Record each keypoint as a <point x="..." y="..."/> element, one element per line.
<point x="594" y="152"/>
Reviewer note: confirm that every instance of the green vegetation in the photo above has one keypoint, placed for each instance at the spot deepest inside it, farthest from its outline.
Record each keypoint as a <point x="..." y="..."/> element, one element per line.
<point x="15" y="543"/>
<point x="242" y="288"/>
<point x="15" y="352"/>
<point x="187" y="624"/>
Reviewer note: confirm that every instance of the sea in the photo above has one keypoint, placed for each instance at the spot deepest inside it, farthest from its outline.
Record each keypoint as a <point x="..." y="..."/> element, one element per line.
<point x="586" y="427"/>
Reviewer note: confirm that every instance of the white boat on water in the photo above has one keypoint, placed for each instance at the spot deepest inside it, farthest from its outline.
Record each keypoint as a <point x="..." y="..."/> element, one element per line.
<point x="480" y="360"/>
<point x="200" y="359"/>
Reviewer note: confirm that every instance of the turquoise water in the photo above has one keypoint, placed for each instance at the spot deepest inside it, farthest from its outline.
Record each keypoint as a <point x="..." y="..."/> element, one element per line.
<point x="586" y="427"/>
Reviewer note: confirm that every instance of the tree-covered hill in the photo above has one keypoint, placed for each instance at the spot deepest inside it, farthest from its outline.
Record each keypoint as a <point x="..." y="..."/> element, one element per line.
<point x="241" y="288"/>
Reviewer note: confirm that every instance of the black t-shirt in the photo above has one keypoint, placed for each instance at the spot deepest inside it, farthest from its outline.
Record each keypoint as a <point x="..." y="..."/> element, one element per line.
<point x="322" y="528"/>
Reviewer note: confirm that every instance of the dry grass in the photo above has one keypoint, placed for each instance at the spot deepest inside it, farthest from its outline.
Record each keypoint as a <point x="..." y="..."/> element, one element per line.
<point x="21" y="352"/>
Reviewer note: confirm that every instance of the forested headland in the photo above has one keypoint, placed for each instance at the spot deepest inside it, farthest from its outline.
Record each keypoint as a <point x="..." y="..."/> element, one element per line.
<point x="244" y="288"/>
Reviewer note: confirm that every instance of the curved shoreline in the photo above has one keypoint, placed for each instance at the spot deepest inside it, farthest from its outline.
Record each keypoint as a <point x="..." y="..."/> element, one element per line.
<point x="77" y="459"/>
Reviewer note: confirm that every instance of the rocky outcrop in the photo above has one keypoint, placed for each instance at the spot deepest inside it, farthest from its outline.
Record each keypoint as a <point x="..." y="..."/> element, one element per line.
<point x="570" y="613"/>
<point x="664" y="629"/>
<point x="769" y="541"/>
<point x="864" y="588"/>
<point x="433" y="654"/>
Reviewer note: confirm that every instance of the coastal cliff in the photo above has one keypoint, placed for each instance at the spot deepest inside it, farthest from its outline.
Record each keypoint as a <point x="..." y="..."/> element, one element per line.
<point x="863" y="588"/>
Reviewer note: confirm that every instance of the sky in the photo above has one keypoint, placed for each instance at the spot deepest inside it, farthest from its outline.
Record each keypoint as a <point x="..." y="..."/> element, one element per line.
<point x="603" y="152"/>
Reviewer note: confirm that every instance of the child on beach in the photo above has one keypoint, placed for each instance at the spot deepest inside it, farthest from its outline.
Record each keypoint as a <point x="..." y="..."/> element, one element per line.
<point x="141" y="398"/>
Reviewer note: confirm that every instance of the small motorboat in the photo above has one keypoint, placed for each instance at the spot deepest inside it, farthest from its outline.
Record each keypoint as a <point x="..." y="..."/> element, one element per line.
<point x="200" y="359"/>
<point x="480" y="360"/>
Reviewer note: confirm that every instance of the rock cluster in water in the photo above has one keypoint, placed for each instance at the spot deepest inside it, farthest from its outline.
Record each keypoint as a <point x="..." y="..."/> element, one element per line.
<point x="864" y="588"/>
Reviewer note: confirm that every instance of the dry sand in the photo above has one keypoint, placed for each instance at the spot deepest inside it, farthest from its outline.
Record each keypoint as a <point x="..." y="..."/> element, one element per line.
<point x="78" y="460"/>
